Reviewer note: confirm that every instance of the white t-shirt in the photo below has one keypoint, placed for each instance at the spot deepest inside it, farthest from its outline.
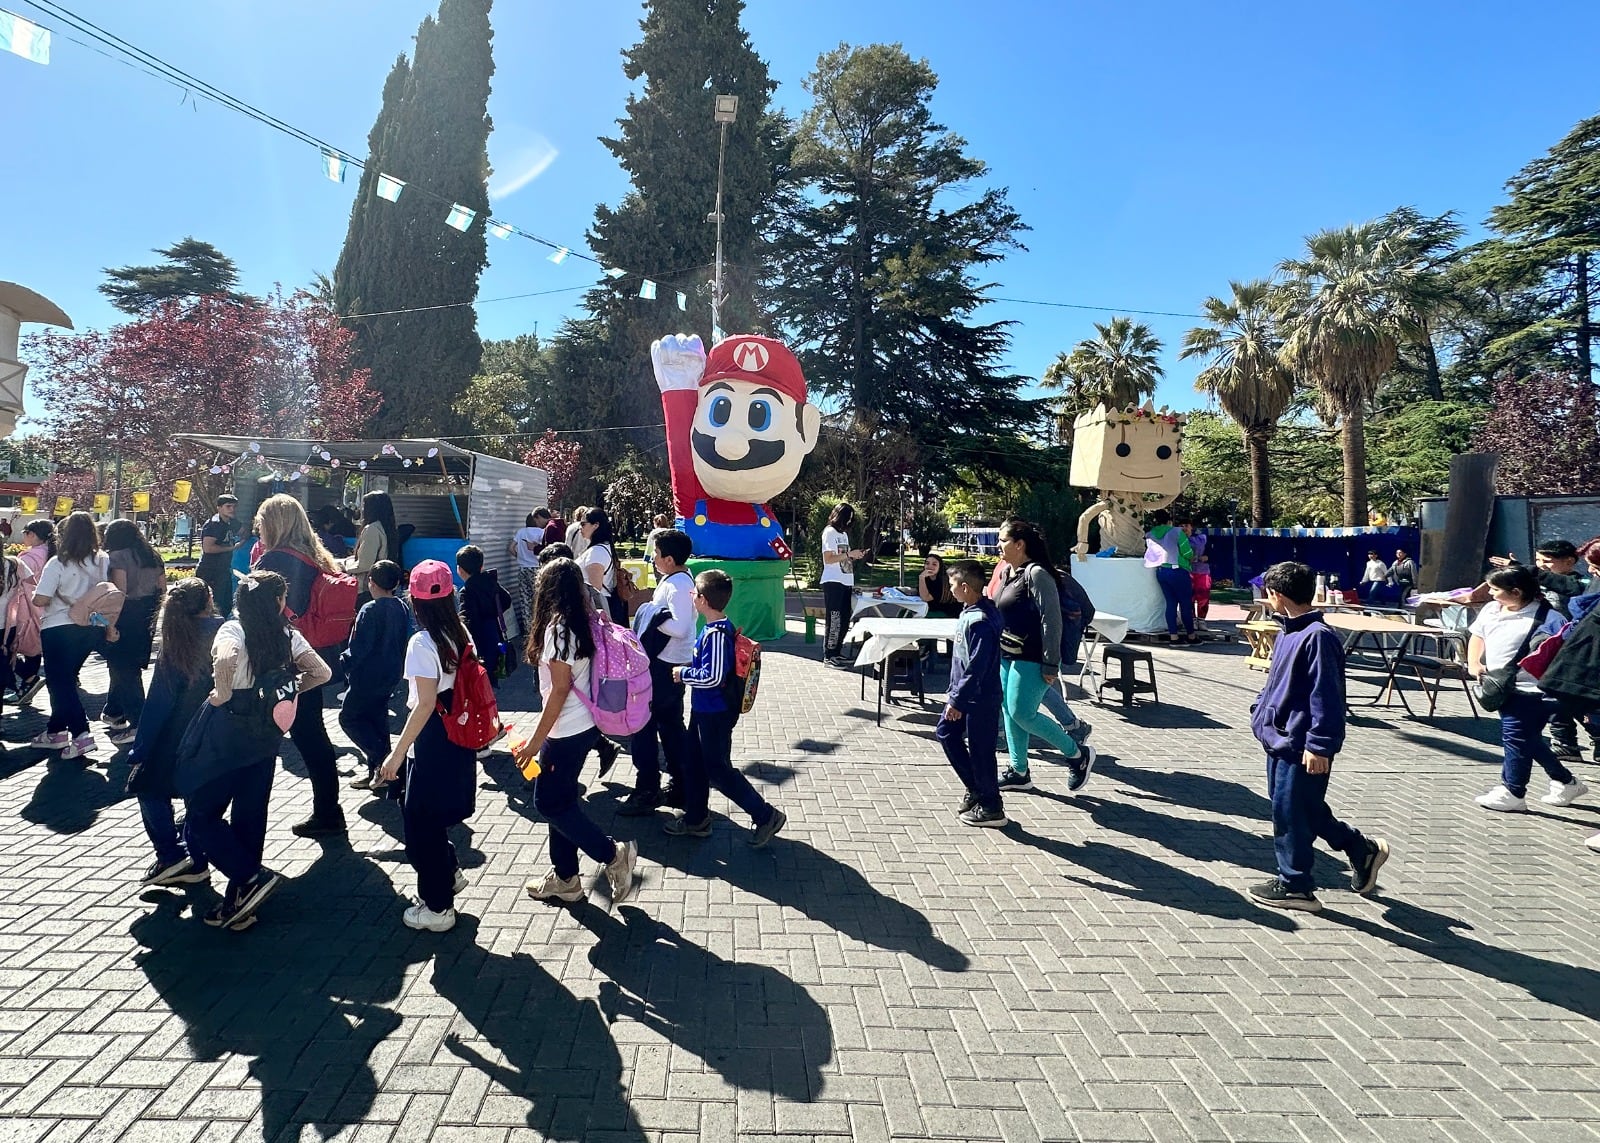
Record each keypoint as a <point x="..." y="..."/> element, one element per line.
<point x="422" y="662"/>
<point x="231" y="636"/>
<point x="843" y="572"/>
<point x="600" y="556"/>
<point x="65" y="584"/>
<point x="575" y="717"/>
<point x="527" y="542"/>
<point x="675" y="593"/>
<point x="1377" y="572"/>
<point x="1502" y="633"/>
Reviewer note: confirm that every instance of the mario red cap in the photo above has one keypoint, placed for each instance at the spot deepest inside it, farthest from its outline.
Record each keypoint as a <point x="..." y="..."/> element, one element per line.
<point x="431" y="580"/>
<point x="757" y="360"/>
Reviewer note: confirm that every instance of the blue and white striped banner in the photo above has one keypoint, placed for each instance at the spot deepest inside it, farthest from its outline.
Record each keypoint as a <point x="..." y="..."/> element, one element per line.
<point x="24" y="38"/>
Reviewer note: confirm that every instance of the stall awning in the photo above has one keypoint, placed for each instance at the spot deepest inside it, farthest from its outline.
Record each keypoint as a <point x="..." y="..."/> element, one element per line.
<point x="447" y="457"/>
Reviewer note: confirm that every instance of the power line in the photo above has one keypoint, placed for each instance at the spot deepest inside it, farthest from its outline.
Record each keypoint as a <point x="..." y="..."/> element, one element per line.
<point x="1104" y="309"/>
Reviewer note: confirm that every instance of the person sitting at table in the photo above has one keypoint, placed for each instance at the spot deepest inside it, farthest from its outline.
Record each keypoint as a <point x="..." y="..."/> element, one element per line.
<point x="933" y="587"/>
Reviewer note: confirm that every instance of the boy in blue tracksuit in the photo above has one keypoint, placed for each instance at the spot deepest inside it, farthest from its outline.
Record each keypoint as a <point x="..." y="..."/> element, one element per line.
<point x="710" y="756"/>
<point x="373" y="661"/>
<point x="1299" y="720"/>
<point x="970" y="726"/>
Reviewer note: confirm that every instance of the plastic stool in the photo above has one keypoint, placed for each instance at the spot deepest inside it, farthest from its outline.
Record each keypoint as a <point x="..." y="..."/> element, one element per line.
<point x="1126" y="680"/>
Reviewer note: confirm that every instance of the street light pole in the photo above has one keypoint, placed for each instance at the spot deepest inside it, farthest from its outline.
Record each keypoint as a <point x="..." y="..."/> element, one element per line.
<point x="724" y="113"/>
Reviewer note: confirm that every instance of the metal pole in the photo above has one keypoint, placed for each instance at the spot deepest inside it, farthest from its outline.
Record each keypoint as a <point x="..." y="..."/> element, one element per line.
<point x="716" y="286"/>
<point x="901" y="523"/>
<point x="116" y="489"/>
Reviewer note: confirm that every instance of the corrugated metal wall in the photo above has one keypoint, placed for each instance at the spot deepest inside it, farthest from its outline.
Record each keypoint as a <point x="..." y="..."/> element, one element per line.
<point x="503" y="493"/>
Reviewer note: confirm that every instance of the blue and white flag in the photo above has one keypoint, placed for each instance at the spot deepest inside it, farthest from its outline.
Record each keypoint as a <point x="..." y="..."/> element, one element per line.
<point x="647" y="290"/>
<point x="500" y="229"/>
<point x="559" y="255"/>
<point x="333" y="165"/>
<point x="683" y="302"/>
<point x="390" y="187"/>
<point x="24" y="38"/>
<point x="460" y="217"/>
<point x="615" y="273"/>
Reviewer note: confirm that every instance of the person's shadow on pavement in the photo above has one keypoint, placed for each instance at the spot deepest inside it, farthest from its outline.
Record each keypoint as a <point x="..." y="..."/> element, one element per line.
<point x="302" y="992"/>
<point x="558" y="1051"/>
<point x="757" y="1028"/>
<point x="71" y="793"/>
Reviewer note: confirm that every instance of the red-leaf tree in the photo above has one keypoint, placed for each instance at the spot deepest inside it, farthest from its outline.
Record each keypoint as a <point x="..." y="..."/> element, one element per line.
<point x="278" y="368"/>
<point x="558" y="457"/>
<point x="1545" y="429"/>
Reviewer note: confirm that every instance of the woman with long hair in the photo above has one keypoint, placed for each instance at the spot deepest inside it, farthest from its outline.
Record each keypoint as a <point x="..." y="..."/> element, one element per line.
<point x="230" y="772"/>
<point x="291" y="549"/>
<point x="1029" y="599"/>
<point x="599" y="563"/>
<point x="439" y="774"/>
<point x="38" y="541"/>
<point x="178" y="686"/>
<point x="140" y="574"/>
<point x="379" y="540"/>
<point x="838" y="580"/>
<point x="561" y="646"/>
<point x="933" y="587"/>
<point x="72" y="573"/>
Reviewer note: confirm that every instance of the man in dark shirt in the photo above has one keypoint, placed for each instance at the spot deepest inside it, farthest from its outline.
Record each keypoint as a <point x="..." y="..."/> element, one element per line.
<point x="217" y="540"/>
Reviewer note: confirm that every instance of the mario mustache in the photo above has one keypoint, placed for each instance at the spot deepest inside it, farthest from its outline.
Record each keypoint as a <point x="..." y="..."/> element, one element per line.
<point x="762" y="453"/>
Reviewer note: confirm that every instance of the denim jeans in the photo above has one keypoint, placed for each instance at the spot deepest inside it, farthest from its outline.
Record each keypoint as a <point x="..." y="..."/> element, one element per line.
<point x="1024" y="687"/>
<point x="233" y="846"/>
<point x="66" y="648"/>
<point x="710" y="766"/>
<point x="1300" y="815"/>
<point x="1177" y="586"/>
<point x="1522" y="721"/>
<point x="1055" y="702"/>
<point x="558" y="796"/>
<point x="160" y="826"/>
<point x="969" y="745"/>
<point x="665" y="726"/>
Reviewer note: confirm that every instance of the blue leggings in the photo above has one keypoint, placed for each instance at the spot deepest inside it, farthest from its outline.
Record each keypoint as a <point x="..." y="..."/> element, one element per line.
<point x="1024" y="686"/>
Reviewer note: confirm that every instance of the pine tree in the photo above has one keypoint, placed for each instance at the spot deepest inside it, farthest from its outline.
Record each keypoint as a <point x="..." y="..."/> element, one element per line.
<point x="872" y="274"/>
<point x="432" y="132"/>
<point x="192" y="269"/>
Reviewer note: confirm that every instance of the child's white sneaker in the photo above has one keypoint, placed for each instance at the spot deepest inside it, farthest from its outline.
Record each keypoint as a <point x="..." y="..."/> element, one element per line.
<point x="419" y="916"/>
<point x="1564" y="793"/>
<point x="1503" y="800"/>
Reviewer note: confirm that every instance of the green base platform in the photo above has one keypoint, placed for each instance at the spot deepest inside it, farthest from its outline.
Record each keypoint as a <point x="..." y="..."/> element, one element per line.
<point x="757" y="604"/>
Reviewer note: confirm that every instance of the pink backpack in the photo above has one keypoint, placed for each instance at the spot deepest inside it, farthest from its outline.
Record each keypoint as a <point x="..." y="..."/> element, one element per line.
<point x="22" y="617"/>
<point x="619" y="679"/>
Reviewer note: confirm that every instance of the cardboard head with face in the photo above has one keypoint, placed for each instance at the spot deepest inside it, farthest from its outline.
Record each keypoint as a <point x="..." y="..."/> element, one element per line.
<point x="752" y="423"/>
<point x="1132" y="453"/>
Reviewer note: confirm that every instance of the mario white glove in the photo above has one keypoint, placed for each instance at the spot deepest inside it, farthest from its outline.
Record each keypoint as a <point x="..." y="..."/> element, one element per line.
<point x="679" y="360"/>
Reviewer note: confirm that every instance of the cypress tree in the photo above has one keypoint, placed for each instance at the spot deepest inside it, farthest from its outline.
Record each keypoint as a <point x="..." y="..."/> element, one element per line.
<point x="432" y="132"/>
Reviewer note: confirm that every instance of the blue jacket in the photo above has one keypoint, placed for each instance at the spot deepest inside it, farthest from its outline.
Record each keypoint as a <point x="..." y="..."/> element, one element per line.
<point x="376" y="655"/>
<point x="1302" y="706"/>
<point x="713" y="659"/>
<point x="975" y="658"/>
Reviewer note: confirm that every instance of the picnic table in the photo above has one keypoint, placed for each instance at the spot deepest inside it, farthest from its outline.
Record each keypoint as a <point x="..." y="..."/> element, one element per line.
<point x="882" y="637"/>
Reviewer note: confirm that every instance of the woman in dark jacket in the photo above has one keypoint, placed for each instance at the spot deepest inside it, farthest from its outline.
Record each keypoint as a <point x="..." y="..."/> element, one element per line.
<point x="1029" y="600"/>
<point x="180" y="683"/>
<point x="141" y="575"/>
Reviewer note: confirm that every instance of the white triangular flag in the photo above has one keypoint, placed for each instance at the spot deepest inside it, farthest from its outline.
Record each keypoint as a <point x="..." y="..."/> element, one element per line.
<point x="460" y="217"/>
<point x="390" y="187"/>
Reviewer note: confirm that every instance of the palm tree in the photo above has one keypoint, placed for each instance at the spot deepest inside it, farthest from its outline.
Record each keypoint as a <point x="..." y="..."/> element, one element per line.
<point x="1426" y="289"/>
<point x="1117" y="368"/>
<point x="1341" y="320"/>
<point x="1246" y="375"/>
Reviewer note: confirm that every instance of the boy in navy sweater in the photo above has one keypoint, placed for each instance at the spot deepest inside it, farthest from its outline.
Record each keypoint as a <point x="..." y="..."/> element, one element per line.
<point x="373" y="661"/>
<point x="1299" y="719"/>
<point x="710" y="756"/>
<point x="970" y="727"/>
<point x="483" y="606"/>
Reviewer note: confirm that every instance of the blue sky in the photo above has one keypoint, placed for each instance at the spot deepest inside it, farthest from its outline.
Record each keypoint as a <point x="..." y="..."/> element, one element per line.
<point x="1156" y="149"/>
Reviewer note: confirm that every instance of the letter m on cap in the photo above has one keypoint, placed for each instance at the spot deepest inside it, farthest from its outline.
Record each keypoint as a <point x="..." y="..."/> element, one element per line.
<point x="750" y="357"/>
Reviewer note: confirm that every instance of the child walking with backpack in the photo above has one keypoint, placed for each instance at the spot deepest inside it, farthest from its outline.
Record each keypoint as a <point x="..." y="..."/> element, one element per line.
<point x="716" y="692"/>
<point x="483" y="608"/>
<point x="440" y="779"/>
<point x="259" y="664"/>
<point x="970" y="726"/>
<point x="561" y="645"/>
<point x="374" y="662"/>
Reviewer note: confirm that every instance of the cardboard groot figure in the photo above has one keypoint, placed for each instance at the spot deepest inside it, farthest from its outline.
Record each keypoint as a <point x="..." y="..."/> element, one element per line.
<point x="1133" y="458"/>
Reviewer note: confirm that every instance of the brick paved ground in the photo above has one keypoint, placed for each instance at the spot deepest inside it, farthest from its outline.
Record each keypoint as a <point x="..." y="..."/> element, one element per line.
<point x="880" y="971"/>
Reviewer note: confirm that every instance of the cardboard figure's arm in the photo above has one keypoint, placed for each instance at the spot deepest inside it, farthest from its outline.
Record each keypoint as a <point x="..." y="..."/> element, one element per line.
<point x="1081" y="550"/>
<point x="679" y="360"/>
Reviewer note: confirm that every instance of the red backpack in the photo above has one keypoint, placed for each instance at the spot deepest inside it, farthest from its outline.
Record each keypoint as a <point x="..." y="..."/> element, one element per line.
<point x="473" y="719"/>
<point x="743" y="677"/>
<point x="332" y="610"/>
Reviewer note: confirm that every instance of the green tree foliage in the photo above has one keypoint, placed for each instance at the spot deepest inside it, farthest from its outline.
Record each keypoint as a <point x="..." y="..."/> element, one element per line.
<point x="928" y="528"/>
<point x="1536" y="278"/>
<point x="1411" y="451"/>
<point x="872" y="260"/>
<point x="1246" y="374"/>
<point x="191" y="269"/>
<point x="432" y="131"/>
<point x="635" y="495"/>
<point x="1117" y="367"/>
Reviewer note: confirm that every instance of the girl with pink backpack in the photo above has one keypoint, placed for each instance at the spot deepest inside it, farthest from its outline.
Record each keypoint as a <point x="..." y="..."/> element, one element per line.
<point x="561" y="645"/>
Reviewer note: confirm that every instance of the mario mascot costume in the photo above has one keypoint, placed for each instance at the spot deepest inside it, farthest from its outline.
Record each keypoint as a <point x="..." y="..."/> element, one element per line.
<point x="738" y="427"/>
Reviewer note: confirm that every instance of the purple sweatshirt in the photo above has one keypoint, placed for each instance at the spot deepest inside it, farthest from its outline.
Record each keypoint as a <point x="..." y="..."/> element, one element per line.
<point x="1302" y="705"/>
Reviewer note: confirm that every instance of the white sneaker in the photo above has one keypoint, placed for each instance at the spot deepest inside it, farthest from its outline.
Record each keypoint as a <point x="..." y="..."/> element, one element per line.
<point x="1503" y="800"/>
<point x="620" y="872"/>
<point x="419" y="916"/>
<point x="79" y="746"/>
<point x="553" y="888"/>
<point x="1564" y="794"/>
<point x="1594" y="843"/>
<point x="461" y="882"/>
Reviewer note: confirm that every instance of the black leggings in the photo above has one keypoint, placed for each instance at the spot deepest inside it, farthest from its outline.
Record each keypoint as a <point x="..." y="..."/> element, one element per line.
<point x="836" y="609"/>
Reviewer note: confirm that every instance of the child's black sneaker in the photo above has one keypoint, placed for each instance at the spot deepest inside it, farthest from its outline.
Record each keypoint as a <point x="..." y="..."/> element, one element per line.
<point x="1081" y="767"/>
<point x="179" y="872"/>
<point x="968" y="800"/>
<point x="991" y="819"/>
<point x="679" y="825"/>
<point x="767" y="830"/>
<point x="1080" y="731"/>
<point x="1015" y="780"/>
<point x="607" y="750"/>
<point x="1276" y="895"/>
<point x="1364" y="871"/>
<point x="253" y="892"/>
<point x="640" y="804"/>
